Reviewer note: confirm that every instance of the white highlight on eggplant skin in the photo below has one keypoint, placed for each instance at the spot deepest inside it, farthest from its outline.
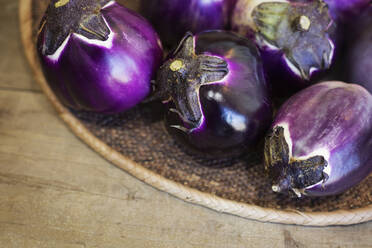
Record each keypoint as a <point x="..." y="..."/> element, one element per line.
<point x="215" y="95"/>
<point x="292" y="67"/>
<point x="108" y="4"/>
<point x="330" y="58"/>
<point x="287" y="136"/>
<point x="57" y="54"/>
<point x="123" y="74"/>
<point x="313" y="70"/>
<point x="235" y="120"/>
<point x="104" y="44"/>
<point x="264" y="43"/>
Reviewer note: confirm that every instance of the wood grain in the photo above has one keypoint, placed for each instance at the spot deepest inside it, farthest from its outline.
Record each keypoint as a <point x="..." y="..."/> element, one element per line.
<point x="56" y="192"/>
<point x="12" y="68"/>
<point x="30" y="13"/>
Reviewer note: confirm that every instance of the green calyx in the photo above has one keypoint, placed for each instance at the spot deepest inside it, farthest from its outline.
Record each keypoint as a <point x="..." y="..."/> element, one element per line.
<point x="268" y="17"/>
<point x="302" y="30"/>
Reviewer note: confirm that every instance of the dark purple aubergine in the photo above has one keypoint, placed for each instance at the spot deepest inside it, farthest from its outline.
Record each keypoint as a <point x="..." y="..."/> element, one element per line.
<point x="358" y="61"/>
<point x="321" y="141"/>
<point x="97" y="55"/>
<point x="216" y="93"/>
<point x="297" y="39"/>
<point x="346" y="10"/>
<point x="173" y="18"/>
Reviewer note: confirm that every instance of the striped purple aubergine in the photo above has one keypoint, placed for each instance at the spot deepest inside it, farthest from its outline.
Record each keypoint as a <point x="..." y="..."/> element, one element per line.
<point x="97" y="55"/>
<point x="297" y="39"/>
<point x="346" y="10"/>
<point x="173" y="18"/>
<point x="321" y="140"/>
<point x="357" y="64"/>
<point x="216" y="93"/>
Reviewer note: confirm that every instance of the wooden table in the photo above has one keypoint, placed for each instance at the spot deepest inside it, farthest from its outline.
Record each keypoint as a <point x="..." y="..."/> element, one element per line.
<point x="56" y="192"/>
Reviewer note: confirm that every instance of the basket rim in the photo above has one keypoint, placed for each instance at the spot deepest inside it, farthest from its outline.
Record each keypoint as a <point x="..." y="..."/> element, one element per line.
<point x="248" y="211"/>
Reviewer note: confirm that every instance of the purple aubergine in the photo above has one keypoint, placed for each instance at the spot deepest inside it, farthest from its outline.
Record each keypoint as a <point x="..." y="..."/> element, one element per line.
<point x="321" y="140"/>
<point x="358" y="61"/>
<point x="216" y="92"/>
<point x="297" y="39"/>
<point x="173" y="18"/>
<point x="97" y="55"/>
<point x="345" y="10"/>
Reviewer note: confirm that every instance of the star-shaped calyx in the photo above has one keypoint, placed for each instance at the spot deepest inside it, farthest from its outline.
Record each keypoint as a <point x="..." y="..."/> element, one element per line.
<point x="180" y="78"/>
<point x="291" y="175"/>
<point x="64" y="17"/>
<point x="301" y="30"/>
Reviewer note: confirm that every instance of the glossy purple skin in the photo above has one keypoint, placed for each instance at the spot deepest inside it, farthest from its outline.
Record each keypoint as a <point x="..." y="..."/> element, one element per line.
<point x="236" y="110"/>
<point x="358" y="62"/>
<point x="336" y="117"/>
<point x="283" y="80"/>
<point x="173" y="18"/>
<point x="107" y="80"/>
<point x="280" y="74"/>
<point x="345" y="10"/>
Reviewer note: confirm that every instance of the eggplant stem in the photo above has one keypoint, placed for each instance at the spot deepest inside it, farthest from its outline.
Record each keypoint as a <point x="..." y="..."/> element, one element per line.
<point x="91" y="32"/>
<point x="275" y="188"/>
<point x="61" y="3"/>
<point x="176" y="65"/>
<point x="173" y="110"/>
<point x="304" y="23"/>
<point x="183" y="129"/>
<point x="167" y="100"/>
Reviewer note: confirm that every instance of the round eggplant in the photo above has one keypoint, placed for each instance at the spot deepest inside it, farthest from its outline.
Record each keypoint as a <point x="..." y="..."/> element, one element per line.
<point x="346" y="10"/>
<point x="297" y="39"/>
<point x="97" y="55"/>
<point x="173" y="18"/>
<point x="358" y="62"/>
<point x="321" y="141"/>
<point x="216" y="93"/>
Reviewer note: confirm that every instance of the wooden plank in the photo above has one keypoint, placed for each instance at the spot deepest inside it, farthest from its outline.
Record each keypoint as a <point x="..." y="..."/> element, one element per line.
<point x="14" y="70"/>
<point x="56" y="192"/>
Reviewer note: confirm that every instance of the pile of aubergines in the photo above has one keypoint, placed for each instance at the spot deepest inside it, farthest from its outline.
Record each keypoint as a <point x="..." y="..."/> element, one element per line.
<point x="289" y="78"/>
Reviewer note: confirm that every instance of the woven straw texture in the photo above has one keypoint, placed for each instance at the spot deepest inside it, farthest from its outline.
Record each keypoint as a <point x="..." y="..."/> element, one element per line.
<point x="137" y="142"/>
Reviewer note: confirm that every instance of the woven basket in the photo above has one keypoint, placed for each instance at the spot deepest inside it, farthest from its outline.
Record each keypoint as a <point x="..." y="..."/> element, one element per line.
<point x="137" y="142"/>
